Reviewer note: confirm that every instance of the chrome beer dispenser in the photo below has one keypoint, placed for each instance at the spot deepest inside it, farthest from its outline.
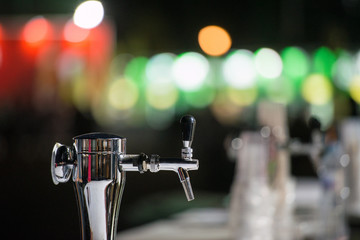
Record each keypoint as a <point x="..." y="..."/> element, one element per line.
<point x="98" y="164"/>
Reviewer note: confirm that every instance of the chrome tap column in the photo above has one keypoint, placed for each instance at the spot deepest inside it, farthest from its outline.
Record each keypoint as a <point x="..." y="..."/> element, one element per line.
<point x="98" y="162"/>
<point x="98" y="182"/>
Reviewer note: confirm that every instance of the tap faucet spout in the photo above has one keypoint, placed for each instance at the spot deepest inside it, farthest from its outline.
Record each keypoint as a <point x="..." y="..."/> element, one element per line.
<point x="185" y="181"/>
<point x="154" y="163"/>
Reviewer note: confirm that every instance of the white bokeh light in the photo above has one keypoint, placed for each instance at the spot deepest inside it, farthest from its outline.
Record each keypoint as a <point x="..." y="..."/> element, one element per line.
<point x="357" y="62"/>
<point x="239" y="69"/>
<point x="159" y="67"/>
<point x="89" y="14"/>
<point x="344" y="70"/>
<point x="268" y="63"/>
<point x="190" y="71"/>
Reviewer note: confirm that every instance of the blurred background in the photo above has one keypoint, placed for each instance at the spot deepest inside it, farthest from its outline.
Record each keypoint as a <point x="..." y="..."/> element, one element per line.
<point x="136" y="68"/>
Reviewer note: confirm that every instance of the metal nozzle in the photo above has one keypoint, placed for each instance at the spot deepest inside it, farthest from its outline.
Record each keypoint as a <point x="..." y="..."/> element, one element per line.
<point x="185" y="181"/>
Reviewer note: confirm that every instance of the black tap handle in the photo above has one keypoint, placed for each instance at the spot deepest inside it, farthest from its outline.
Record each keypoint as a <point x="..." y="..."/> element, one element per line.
<point x="187" y="124"/>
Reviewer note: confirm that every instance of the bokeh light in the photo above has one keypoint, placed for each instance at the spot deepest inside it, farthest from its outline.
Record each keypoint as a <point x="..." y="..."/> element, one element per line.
<point x="135" y="70"/>
<point x="0" y="49"/>
<point x="239" y="70"/>
<point x="354" y="88"/>
<point x="324" y="113"/>
<point x="225" y="111"/>
<point x="73" y="33"/>
<point x="101" y="113"/>
<point x="190" y="71"/>
<point x="89" y="14"/>
<point x="1" y="37"/>
<point x="317" y="89"/>
<point x="343" y="70"/>
<point x="357" y="62"/>
<point x="123" y="94"/>
<point x="200" y="98"/>
<point x="324" y="60"/>
<point x="37" y="30"/>
<point x="295" y="63"/>
<point x="69" y="64"/>
<point x="214" y="40"/>
<point x="1" y="33"/>
<point x="268" y="63"/>
<point x="161" y="92"/>
<point x="118" y="64"/>
<point x="159" y="119"/>
<point x="159" y="67"/>
<point x="281" y="90"/>
<point x="242" y="97"/>
<point x="80" y="93"/>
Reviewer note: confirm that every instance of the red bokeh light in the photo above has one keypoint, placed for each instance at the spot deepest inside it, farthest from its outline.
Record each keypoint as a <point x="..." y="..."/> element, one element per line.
<point x="1" y="36"/>
<point x="1" y="33"/>
<point x="74" y="34"/>
<point x="29" y="51"/>
<point x="36" y="31"/>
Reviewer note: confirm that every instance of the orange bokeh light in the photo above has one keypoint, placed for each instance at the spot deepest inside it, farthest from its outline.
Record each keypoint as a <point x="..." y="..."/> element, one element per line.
<point x="214" y="40"/>
<point x="36" y="30"/>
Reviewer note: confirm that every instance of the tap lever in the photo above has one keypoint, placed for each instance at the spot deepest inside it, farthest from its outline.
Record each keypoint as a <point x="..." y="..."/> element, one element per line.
<point x="187" y="123"/>
<point x="185" y="181"/>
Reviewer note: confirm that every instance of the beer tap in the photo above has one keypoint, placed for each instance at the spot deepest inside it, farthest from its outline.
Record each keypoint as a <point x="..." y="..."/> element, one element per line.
<point x="98" y="164"/>
<point x="315" y="149"/>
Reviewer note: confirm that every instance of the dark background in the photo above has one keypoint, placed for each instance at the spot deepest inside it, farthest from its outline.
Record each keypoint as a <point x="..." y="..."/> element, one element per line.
<point x="32" y="206"/>
<point x="173" y="26"/>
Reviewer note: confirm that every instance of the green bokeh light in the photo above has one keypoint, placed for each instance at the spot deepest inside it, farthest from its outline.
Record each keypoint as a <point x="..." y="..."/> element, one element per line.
<point x="296" y="63"/>
<point x="200" y="98"/>
<point x="324" y="60"/>
<point x="135" y="70"/>
<point x="281" y="90"/>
